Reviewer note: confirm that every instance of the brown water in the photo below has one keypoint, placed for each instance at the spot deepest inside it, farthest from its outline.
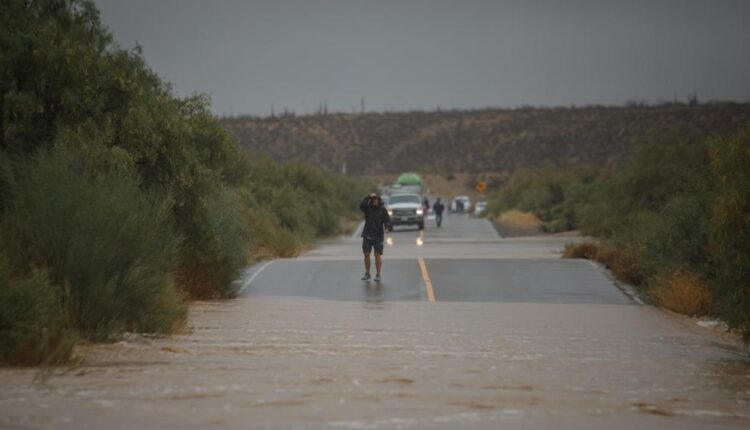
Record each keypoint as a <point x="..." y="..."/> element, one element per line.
<point x="307" y="363"/>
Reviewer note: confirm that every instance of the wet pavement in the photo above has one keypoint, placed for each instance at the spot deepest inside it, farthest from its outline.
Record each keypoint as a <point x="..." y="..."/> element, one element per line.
<point x="514" y="339"/>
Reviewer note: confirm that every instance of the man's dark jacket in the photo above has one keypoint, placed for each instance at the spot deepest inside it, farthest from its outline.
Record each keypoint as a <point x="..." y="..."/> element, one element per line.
<point x="376" y="217"/>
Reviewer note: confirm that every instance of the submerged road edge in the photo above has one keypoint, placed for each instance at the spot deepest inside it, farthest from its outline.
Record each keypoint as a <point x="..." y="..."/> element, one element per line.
<point x="253" y="276"/>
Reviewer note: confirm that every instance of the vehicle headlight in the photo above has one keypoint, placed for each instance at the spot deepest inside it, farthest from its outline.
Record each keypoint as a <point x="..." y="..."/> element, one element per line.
<point x="390" y="212"/>
<point x="419" y="211"/>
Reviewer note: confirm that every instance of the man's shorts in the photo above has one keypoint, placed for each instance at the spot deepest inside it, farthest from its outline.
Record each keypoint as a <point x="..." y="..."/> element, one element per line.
<point x="368" y="244"/>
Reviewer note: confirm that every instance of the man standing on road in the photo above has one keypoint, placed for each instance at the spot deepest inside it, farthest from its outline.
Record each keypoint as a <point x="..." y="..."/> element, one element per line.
<point x="438" y="208"/>
<point x="376" y="221"/>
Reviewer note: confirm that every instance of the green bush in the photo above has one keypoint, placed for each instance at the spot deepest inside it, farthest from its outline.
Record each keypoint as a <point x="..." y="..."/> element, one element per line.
<point x="586" y="249"/>
<point x="305" y="202"/>
<point x="556" y="196"/>
<point x="557" y="225"/>
<point x="110" y="245"/>
<point x="214" y="253"/>
<point x="666" y="165"/>
<point x="126" y="196"/>
<point x="729" y="228"/>
<point x="267" y="238"/>
<point x="676" y="220"/>
<point x="33" y="328"/>
<point x="677" y="236"/>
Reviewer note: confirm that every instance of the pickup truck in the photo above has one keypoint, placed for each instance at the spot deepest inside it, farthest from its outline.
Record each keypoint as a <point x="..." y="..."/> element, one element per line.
<point x="406" y="209"/>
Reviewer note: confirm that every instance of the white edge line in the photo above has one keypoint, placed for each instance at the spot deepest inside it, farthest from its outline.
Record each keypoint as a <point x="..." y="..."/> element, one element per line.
<point x="623" y="287"/>
<point x="593" y="264"/>
<point x="494" y="230"/>
<point x="252" y="277"/>
<point x="358" y="230"/>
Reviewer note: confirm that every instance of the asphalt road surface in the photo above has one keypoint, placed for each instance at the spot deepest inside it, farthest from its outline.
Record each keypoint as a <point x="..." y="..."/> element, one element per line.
<point x="467" y="330"/>
<point x="465" y="261"/>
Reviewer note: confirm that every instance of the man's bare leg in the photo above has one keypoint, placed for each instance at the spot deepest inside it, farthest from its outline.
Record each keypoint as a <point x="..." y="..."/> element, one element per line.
<point x="367" y="263"/>
<point x="378" y="262"/>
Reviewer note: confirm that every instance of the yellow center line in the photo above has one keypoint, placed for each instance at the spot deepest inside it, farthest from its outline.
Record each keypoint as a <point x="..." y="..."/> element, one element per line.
<point x="426" y="279"/>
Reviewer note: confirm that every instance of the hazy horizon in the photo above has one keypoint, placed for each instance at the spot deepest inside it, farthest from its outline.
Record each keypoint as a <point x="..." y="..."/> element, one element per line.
<point x="251" y="57"/>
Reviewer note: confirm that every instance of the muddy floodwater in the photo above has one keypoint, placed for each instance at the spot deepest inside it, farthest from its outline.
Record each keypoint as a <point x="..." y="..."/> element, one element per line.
<point x="309" y="363"/>
<point x="504" y="335"/>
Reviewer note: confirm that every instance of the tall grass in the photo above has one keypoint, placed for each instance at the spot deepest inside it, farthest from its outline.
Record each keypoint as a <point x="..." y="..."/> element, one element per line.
<point x="682" y="291"/>
<point x="517" y="223"/>
<point x="108" y="247"/>
<point x="33" y="327"/>
<point x="212" y="256"/>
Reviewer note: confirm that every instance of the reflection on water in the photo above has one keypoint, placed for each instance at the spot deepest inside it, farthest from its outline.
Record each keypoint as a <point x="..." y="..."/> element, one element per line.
<point x="374" y="296"/>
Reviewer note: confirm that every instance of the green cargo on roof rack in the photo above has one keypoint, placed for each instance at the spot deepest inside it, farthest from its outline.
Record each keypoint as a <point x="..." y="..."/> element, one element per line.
<point x="409" y="179"/>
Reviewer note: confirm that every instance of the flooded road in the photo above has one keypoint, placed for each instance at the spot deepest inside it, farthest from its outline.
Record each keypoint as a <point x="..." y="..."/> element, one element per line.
<point x="514" y="338"/>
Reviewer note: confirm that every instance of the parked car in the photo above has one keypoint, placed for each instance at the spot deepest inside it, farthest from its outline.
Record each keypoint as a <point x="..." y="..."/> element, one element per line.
<point x="406" y="209"/>
<point x="479" y="208"/>
<point x="464" y="206"/>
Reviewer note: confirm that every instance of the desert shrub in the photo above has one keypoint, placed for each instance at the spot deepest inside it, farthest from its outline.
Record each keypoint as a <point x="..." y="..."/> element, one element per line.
<point x="520" y="218"/>
<point x="349" y="191"/>
<point x="666" y="165"/>
<point x="676" y="219"/>
<point x="515" y="223"/>
<point x="127" y="197"/>
<point x="729" y="228"/>
<point x="307" y="202"/>
<point x="268" y="239"/>
<point x="557" y="225"/>
<point x="604" y="253"/>
<point x="682" y="291"/>
<point x="212" y="256"/>
<point x="322" y="198"/>
<point x="624" y="263"/>
<point x="111" y="246"/>
<point x="677" y="236"/>
<point x="293" y="210"/>
<point x="554" y="195"/>
<point x="621" y="261"/>
<point x="587" y="250"/>
<point x="33" y="327"/>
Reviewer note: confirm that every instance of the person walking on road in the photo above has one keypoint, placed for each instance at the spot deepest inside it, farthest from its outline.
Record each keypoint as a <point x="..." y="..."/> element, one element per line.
<point x="376" y="221"/>
<point x="438" y="208"/>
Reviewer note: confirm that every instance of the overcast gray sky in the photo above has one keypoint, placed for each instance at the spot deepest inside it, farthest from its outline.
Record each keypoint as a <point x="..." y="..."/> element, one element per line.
<point x="420" y="54"/>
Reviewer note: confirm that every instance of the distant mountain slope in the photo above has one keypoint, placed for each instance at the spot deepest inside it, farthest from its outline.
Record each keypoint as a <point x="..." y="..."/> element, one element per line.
<point x="474" y="140"/>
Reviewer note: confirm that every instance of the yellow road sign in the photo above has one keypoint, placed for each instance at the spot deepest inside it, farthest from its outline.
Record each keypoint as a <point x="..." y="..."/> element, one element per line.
<point x="481" y="187"/>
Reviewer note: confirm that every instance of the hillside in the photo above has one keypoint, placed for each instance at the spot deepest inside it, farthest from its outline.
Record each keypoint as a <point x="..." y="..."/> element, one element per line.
<point x="487" y="140"/>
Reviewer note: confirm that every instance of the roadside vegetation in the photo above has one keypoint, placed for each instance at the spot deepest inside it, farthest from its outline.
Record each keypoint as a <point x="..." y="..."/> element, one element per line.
<point x="118" y="201"/>
<point x="673" y="221"/>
